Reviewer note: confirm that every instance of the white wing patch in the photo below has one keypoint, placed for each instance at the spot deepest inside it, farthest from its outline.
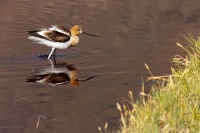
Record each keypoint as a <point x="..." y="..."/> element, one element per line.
<point x="55" y="28"/>
<point x="42" y="33"/>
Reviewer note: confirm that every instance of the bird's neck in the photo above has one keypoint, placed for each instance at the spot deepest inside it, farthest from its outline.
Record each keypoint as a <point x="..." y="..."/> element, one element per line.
<point x="75" y="40"/>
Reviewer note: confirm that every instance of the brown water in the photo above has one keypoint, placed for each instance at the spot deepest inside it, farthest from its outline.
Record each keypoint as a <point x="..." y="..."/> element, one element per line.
<point x="132" y="33"/>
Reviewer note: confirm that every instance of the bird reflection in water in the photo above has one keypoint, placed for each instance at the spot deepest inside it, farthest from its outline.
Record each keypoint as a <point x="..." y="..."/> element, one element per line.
<point x="56" y="74"/>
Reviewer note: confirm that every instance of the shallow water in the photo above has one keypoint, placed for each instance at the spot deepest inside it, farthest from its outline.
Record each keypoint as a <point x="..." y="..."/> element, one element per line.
<point x="132" y="33"/>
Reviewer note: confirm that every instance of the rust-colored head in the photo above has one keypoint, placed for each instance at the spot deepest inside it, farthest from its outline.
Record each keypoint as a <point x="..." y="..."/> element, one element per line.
<point x="76" y="30"/>
<point x="73" y="75"/>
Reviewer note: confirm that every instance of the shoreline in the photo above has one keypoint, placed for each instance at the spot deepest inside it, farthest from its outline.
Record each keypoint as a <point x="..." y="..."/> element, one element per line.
<point x="173" y="104"/>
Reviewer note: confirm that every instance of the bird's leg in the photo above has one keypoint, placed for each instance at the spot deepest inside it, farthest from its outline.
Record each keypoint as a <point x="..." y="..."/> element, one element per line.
<point x="52" y="62"/>
<point x="52" y="51"/>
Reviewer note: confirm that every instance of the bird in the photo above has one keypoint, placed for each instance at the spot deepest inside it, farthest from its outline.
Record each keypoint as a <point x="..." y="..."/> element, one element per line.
<point x="57" y="74"/>
<point x="57" y="37"/>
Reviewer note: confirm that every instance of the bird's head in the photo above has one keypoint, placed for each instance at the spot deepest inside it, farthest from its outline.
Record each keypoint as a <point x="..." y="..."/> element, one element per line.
<point x="76" y="30"/>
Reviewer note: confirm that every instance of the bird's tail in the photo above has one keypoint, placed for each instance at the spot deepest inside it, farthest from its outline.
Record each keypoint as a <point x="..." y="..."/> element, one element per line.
<point x="33" y="31"/>
<point x="36" y="39"/>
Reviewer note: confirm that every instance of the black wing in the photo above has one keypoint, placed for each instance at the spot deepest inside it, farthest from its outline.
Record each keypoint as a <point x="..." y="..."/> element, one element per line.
<point x="55" y="33"/>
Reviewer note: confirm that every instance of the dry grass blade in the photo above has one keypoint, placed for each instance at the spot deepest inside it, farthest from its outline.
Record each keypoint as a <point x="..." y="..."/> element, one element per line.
<point x="172" y="106"/>
<point x="44" y="117"/>
<point x="158" y="78"/>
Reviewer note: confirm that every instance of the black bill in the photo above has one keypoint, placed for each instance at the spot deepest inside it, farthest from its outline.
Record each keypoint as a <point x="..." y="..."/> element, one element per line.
<point x="90" y="34"/>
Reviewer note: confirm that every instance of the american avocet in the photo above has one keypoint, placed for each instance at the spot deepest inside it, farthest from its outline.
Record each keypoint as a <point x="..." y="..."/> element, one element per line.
<point x="56" y="74"/>
<point x="57" y="37"/>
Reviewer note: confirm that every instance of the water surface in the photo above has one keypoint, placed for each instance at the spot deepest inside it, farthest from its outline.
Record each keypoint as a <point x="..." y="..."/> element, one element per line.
<point x="132" y="33"/>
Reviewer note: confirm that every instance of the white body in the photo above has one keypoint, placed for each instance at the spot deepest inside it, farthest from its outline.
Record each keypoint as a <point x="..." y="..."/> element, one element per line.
<point x="59" y="45"/>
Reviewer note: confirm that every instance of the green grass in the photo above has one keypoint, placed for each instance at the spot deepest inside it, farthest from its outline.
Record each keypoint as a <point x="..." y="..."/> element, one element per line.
<point x="173" y="105"/>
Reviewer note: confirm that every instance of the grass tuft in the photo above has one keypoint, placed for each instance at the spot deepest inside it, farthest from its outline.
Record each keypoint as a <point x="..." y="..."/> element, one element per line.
<point x="173" y="105"/>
